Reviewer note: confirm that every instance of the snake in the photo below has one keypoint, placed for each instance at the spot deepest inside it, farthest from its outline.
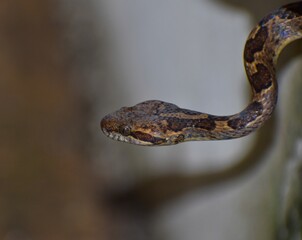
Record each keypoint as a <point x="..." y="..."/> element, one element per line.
<point x="157" y="123"/>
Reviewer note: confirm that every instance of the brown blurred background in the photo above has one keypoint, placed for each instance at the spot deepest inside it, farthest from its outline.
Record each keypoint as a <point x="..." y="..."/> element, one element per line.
<point x="47" y="190"/>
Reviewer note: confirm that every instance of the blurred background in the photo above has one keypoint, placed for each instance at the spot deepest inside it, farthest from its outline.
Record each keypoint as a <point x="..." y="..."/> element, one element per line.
<point x="65" y="64"/>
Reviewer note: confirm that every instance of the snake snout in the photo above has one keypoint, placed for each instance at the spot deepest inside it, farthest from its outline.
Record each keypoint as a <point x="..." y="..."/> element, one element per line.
<point x="108" y="125"/>
<point x="103" y="125"/>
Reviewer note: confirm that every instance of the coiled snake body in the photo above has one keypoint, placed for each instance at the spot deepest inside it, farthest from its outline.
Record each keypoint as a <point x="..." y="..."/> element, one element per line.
<point x="160" y="123"/>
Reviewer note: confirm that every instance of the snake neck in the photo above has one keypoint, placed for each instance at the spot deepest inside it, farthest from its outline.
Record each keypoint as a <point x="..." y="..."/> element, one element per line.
<point x="262" y="49"/>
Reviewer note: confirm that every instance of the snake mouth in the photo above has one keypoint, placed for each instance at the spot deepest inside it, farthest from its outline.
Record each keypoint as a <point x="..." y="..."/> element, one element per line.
<point x="116" y="136"/>
<point x="127" y="139"/>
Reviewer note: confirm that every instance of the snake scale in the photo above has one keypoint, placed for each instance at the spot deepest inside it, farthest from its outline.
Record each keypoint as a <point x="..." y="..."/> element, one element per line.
<point x="159" y="123"/>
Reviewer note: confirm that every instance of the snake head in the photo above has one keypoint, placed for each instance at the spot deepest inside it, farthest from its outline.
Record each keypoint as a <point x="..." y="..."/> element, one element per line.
<point x="141" y="124"/>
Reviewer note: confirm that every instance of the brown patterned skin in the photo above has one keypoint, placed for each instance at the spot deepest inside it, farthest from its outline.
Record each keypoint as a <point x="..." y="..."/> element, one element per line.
<point x="159" y="123"/>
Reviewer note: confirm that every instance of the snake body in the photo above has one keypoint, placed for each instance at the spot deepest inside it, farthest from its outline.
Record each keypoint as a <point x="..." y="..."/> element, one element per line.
<point x="156" y="122"/>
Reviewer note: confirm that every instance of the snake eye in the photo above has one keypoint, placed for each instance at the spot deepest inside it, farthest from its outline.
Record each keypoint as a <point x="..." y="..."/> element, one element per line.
<point x="125" y="130"/>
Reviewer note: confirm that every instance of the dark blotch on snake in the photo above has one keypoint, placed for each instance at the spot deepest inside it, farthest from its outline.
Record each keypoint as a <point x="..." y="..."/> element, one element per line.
<point x="294" y="7"/>
<point x="247" y="115"/>
<point x="205" y="123"/>
<point x="147" y="137"/>
<point x="255" y="44"/>
<point x="178" y="124"/>
<point x="262" y="79"/>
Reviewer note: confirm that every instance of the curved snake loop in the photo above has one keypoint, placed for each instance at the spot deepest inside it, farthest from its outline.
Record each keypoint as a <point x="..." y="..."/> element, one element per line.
<point x="160" y="123"/>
